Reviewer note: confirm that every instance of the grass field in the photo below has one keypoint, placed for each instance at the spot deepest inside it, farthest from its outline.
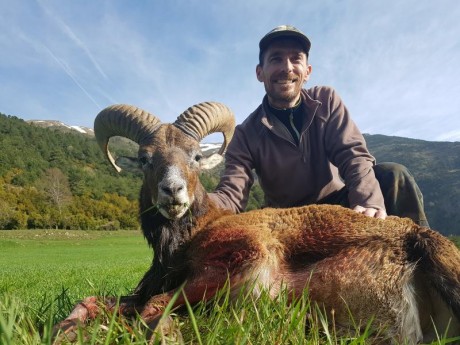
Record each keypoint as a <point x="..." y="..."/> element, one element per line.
<point x="43" y="274"/>
<point x="41" y="263"/>
<point x="42" y="268"/>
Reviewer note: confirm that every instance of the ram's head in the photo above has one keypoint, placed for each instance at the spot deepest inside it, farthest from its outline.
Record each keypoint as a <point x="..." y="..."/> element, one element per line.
<point x="169" y="154"/>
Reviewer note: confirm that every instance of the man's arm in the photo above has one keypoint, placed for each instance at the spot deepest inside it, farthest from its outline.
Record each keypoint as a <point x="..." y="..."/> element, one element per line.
<point x="232" y="192"/>
<point x="348" y="151"/>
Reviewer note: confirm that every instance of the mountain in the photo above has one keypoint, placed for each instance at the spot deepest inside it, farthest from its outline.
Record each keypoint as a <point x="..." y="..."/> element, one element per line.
<point x="207" y="148"/>
<point x="61" y="126"/>
<point x="436" y="168"/>
<point x="73" y="150"/>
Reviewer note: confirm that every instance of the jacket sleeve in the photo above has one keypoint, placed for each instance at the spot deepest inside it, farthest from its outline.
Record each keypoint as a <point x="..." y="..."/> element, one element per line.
<point x="232" y="192"/>
<point x="347" y="150"/>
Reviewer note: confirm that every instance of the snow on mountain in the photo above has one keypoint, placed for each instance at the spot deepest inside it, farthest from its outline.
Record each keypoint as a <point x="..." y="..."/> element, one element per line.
<point x="53" y="124"/>
<point x="207" y="148"/>
<point x="79" y="129"/>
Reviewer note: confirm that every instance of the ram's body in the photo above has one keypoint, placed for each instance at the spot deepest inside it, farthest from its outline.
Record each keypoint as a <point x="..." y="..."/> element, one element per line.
<point x="403" y="276"/>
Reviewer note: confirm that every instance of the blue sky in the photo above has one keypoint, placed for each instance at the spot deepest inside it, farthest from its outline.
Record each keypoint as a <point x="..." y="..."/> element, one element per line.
<point x="395" y="63"/>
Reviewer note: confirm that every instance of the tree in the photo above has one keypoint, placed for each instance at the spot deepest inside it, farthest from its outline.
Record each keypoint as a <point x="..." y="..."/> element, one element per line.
<point x="56" y="186"/>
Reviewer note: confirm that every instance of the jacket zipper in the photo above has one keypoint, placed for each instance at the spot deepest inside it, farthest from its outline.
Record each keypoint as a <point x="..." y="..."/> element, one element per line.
<point x="291" y="121"/>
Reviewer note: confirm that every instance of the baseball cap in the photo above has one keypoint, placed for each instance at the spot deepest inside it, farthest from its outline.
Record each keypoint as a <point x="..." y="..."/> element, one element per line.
<point x="285" y="31"/>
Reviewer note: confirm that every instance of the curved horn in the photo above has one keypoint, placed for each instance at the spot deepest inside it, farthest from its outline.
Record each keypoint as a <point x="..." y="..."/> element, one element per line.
<point x="205" y="118"/>
<point x="123" y="120"/>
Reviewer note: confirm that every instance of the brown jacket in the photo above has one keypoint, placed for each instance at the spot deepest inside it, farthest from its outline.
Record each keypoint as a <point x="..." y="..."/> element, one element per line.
<point x="331" y="152"/>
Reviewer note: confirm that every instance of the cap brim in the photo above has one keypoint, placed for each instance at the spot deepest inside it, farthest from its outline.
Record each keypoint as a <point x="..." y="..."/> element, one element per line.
<point x="265" y="41"/>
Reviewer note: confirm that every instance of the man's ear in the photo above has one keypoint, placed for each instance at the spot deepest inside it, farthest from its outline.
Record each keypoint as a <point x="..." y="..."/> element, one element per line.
<point x="259" y="73"/>
<point x="307" y="73"/>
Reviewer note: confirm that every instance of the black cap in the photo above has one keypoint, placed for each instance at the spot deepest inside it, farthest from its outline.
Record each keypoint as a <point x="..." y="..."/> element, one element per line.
<point x="285" y="31"/>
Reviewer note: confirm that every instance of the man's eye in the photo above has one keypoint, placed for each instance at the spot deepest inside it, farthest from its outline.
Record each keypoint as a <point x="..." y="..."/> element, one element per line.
<point x="299" y="58"/>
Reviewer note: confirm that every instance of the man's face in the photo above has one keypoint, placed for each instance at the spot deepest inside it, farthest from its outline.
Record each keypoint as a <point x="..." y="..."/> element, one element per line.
<point x="284" y="70"/>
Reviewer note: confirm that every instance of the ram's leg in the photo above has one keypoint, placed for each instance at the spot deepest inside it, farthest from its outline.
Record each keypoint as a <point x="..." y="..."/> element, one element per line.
<point x="215" y="261"/>
<point x="89" y="309"/>
<point x="203" y="287"/>
<point x="195" y="291"/>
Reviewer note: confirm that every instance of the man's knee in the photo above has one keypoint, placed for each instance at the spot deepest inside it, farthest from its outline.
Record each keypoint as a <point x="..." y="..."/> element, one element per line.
<point x="389" y="172"/>
<point x="395" y="178"/>
<point x="400" y="191"/>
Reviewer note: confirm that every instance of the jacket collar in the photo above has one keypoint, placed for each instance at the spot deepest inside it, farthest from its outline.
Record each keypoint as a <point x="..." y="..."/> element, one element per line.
<point x="309" y="104"/>
<point x="312" y="104"/>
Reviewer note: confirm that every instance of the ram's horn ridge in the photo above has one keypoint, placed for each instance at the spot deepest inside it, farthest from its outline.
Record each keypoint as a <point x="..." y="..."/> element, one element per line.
<point x="205" y="118"/>
<point x="126" y="121"/>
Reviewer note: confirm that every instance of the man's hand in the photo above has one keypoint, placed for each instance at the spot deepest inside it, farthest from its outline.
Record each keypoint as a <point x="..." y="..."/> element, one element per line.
<point x="371" y="212"/>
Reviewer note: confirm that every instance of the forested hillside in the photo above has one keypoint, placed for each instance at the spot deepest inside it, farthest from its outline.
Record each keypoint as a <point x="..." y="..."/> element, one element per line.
<point x="52" y="178"/>
<point x="60" y="179"/>
<point x="436" y="168"/>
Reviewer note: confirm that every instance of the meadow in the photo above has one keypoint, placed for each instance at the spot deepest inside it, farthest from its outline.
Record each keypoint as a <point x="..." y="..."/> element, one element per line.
<point x="45" y="272"/>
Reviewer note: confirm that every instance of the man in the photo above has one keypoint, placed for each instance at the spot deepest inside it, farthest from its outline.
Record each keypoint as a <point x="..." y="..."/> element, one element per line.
<point x="305" y="148"/>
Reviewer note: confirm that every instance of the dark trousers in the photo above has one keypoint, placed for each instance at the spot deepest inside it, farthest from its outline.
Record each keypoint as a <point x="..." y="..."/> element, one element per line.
<point x="401" y="194"/>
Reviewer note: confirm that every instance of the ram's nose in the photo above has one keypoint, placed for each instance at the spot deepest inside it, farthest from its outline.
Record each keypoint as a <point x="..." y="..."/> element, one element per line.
<point x="172" y="190"/>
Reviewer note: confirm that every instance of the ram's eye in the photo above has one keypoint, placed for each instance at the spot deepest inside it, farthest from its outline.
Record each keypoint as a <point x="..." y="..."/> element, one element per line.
<point x="143" y="161"/>
<point x="198" y="157"/>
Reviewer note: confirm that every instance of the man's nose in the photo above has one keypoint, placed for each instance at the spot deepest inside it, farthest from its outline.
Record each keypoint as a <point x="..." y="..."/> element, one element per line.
<point x="287" y="65"/>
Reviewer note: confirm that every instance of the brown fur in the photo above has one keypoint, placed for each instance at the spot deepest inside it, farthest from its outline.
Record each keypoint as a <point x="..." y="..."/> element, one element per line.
<point x="404" y="276"/>
<point x="349" y="263"/>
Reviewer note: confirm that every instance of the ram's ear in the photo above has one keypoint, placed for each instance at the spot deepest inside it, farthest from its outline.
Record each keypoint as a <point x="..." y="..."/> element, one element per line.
<point x="211" y="161"/>
<point x="128" y="163"/>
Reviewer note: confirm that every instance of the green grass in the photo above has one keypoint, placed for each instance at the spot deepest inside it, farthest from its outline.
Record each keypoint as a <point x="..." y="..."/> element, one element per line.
<point x="44" y="273"/>
<point x="38" y="263"/>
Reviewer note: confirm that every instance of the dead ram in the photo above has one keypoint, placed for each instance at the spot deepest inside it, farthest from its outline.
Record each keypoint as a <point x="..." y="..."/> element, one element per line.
<point x="405" y="277"/>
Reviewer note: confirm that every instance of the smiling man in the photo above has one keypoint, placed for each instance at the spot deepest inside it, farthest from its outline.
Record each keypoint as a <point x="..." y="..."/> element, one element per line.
<point x="305" y="148"/>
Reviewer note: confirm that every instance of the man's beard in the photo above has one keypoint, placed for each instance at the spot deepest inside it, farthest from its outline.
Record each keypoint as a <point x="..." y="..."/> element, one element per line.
<point x="276" y="93"/>
<point x="284" y="97"/>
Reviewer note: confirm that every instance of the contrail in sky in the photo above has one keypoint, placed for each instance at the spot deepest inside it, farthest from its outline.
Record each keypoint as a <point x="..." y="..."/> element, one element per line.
<point x="40" y="47"/>
<point x="69" y="72"/>
<point x="69" y="33"/>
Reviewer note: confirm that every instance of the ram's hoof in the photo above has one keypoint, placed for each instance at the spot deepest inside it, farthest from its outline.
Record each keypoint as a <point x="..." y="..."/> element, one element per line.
<point x="66" y="331"/>
<point x="165" y="330"/>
